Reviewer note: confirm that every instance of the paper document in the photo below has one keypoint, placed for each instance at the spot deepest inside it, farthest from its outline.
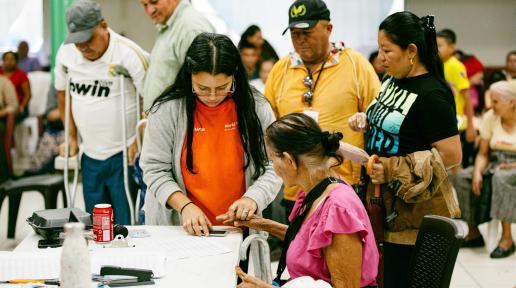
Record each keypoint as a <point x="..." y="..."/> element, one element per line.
<point x="189" y="247"/>
<point x="46" y="264"/>
<point x="29" y="265"/>
<point x="353" y="153"/>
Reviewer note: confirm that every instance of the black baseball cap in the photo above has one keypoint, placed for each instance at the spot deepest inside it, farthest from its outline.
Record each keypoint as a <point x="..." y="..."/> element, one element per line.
<point x="306" y="13"/>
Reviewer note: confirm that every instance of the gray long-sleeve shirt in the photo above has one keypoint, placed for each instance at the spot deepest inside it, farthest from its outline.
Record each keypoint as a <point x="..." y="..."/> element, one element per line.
<point x="161" y="155"/>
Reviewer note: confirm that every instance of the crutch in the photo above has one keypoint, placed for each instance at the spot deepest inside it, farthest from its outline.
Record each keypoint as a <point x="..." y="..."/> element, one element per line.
<point x="122" y="73"/>
<point x="70" y="195"/>
<point x="139" y="196"/>
<point x="264" y="269"/>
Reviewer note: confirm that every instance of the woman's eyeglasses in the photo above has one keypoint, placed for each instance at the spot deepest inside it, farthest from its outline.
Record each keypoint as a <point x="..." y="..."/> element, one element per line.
<point x="219" y="92"/>
<point x="308" y="95"/>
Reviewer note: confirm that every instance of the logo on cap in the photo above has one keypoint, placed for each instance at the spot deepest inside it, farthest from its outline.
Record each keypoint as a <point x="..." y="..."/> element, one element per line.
<point x="297" y="11"/>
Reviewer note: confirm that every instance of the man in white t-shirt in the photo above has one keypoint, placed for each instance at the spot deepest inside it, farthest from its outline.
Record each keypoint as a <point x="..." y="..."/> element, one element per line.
<point x="89" y="57"/>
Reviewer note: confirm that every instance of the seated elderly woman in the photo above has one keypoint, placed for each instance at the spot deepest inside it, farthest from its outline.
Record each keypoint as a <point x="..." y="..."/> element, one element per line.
<point x="8" y="105"/>
<point x="330" y="236"/>
<point x="498" y="143"/>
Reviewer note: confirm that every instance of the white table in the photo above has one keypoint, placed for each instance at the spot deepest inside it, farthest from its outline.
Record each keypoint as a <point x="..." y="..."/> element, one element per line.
<point x="206" y="271"/>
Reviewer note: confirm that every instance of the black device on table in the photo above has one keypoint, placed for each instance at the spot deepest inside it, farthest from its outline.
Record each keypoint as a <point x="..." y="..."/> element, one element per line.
<point x="50" y="243"/>
<point x="218" y="233"/>
<point x="114" y="276"/>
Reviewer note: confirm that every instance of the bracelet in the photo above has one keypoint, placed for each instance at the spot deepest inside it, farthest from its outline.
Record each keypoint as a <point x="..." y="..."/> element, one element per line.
<point x="181" y="211"/>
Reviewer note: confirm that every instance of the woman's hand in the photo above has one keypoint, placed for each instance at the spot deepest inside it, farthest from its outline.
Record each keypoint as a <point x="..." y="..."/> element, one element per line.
<point x="378" y="175"/>
<point x="242" y="209"/>
<point x="132" y="152"/>
<point x="358" y="122"/>
<point x="195" y="221"/>
<point x="476" y="183"/>
<point x="253" y="222"/>
<point x="506" y="165"/>
<point x="250" y="281"/>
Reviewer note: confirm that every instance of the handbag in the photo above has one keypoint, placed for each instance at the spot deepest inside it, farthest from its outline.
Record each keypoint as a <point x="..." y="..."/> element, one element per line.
<point x="482" y="204"/>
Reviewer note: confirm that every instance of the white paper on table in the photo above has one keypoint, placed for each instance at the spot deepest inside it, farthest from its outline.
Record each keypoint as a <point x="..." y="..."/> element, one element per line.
<point x="189" y="247"/>
<point x="46" y="264"/>
<point x="29" y="265"/>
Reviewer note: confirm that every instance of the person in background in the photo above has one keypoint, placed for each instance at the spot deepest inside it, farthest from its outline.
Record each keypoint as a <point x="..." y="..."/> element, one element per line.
<point x="25" y="62"/>
<point x="203" y="153"/>
<point x="265" y="69"/>
<point x="178" y="24"/>
<point x="325" y="80"/>
<point x="89" y="63"/>
<point x="8" y="105"/>
<point x="250" y="59"/>
<point x="510" y="65"/>
<point x="20" y="81"/>
<point x="402" y="121"/>
<point x="494" y="77"/>
<point x="497" y="152"/>
<point x="330" y="236"/>
<point x="253" y="35"/>
<point x="456" y="76"/>
<point x="475" y="72"/>
<point x="42" y="161"/>
<point x="377" y="64"/>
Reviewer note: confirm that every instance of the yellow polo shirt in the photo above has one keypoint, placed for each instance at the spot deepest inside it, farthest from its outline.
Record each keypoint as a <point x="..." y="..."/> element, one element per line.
<point x="335" y="97"/>
<point x="455" y="75"/>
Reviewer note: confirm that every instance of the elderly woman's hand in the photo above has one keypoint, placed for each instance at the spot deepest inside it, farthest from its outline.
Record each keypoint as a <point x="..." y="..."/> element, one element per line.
<point x="250" y="281"/>
<point x="476" y="183"/>
<point x="253" y="223"/>
<point x="358" y="122"/>
<point x="242" y="209"/>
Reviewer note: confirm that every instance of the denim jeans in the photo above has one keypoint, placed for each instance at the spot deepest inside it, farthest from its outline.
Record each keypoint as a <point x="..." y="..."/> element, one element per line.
<point x="103" y="182"/>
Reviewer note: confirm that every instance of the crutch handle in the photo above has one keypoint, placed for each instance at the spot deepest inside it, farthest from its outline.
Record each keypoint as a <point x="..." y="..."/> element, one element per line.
<point x="369" y="169"/>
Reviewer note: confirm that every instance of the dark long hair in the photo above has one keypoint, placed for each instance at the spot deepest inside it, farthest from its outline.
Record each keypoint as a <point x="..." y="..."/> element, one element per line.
<point x="15" y="55"/>
<point x="250" y="31"/>
<point x="215" y="54"/>
<point x="405" y="28"/>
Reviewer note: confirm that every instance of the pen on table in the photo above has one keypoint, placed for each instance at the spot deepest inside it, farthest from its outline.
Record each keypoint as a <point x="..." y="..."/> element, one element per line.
<point x="24" y="281"/>
<point x="29" y="281"/>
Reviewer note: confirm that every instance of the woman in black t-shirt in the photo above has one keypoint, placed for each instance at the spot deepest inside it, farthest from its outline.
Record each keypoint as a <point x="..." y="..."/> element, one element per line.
<point x="415" y="111"/>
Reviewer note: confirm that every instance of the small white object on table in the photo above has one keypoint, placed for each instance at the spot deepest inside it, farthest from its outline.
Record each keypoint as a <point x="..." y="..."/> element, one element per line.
<point x="182" y="270"/>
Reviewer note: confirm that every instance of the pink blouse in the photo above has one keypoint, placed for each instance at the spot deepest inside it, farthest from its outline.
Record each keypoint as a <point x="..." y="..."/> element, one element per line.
<point x="341" y="212"/>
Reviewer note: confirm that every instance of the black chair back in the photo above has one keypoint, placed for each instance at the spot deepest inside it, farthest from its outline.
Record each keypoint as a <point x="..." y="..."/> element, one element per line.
<point x="437" y="246"/>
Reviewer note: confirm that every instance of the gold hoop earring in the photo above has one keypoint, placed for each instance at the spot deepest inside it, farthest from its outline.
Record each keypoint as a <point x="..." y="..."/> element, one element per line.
<point x="411" y="61"/>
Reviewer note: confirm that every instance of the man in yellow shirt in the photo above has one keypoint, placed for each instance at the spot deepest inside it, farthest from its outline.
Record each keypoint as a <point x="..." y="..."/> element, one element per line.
<point x="326" y="81"/>
<point x="455" y="75"/>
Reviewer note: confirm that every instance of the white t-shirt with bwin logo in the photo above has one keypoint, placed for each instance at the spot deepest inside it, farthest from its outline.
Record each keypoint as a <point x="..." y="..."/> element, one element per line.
<point x="96" y="96"/>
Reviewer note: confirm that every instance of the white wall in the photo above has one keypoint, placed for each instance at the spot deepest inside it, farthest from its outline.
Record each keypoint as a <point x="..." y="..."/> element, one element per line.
<point x="485" y="28"/>
<point x="127" y="17"/>
<point x="355" y="21"/>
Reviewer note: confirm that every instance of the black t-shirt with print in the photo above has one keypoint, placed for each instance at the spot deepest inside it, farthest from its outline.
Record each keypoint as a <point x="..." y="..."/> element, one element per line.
<point x="413" y="113"/>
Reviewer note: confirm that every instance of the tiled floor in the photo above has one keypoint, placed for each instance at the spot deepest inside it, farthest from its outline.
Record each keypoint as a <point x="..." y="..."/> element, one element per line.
<point x="474" y="268"/>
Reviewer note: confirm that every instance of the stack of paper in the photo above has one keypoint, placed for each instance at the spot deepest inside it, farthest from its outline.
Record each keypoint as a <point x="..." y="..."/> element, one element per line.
<point x="29" y="265"/>
<point x="189" y="247"/>
<point x="46" y="264"/>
